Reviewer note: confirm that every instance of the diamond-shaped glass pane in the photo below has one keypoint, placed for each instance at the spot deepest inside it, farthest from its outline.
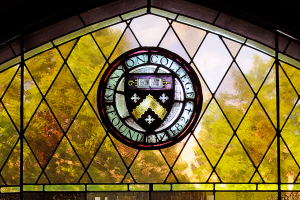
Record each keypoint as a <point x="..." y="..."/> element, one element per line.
<point x="66" y="48"/>
<point x="32" y="168"/>
<point x="232" y="46"/>
<point x="293" y="73"/>
<point x="6" y="78"/>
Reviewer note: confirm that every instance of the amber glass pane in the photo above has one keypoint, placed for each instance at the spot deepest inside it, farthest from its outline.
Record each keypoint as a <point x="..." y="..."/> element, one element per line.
<point x="128" y="179"/>
<point x="192" y="165"/>
<point x="8" y="135"/>
<point x="149" y="29"/>
<point x="290" y="195"/>
<point x="1" y="181"/>
<point x="32" y="97"/>
<point x="31" y="170"/>
<point x="171" y="153"/>
<point x="256" y="178"/>
<point x="235" y="165"/>
<point x="214" y="178"/>
<point x="288" y="167"/>
<point x="12" y="98"/>
<point x="11" y="169"/>
<point x="149" y="167"/>
<point x="233" y="47"/>
<point x="86" y="61"/>
<point x="293" y="74"/>
<point x="268" y="167"/>
<point x="234" y="95"/>
<point x="65" y="97"/>
<point x="66" y="48"/>
<point x="43" y="179"/>
<point x="172" y="43"/>
<point x="64" y="166"/>
<point x="44" y="68"/>
<point x="255" y="65"/>
<point x="212" y="60"/>
<point x="107" y="166"/>
<point x="288" y="96"/>
<point x="43" y="134"/>
<point x="213" y="132"/>
<point x="126" y="43"/>
<point x="246" y="196"/>
<point x="256" y="132"/>
<point x="190" y="37"/>
<point x="171" y="178"/>
<point x="6" y="77"/>
<point x="85" y="178"/>
<point x="86" y="133"/>
<point x="267" y="96"/>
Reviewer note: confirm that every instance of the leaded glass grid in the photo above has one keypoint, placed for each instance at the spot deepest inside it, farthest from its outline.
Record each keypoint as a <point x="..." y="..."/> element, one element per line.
<point x="240" y="141"/>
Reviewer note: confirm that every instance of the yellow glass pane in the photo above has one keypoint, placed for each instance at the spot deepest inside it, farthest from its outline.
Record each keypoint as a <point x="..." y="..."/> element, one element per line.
<point x="85" y="178"/>
<point x="86" y="61"/>
<point x="66" y="48"/>
<point x="65" y="97"/>
<point x="214" y="178"/>
<point x="190" y="37"/>
<point x="267" y="96"/>
<point x="64" y="166"/>
<point x="171" y="153"/>
<point x="86" y="133"/>
<point x="233" y="46"/>
<point x="256" y="178"/>
<point x="44" y="67"/>
<point x="171" y="178"/>
<point x="6" y="77"/>
<point x="43" y="179"/>
<point x="149" y="167"/>
<point x="31" y="170"/>
<point x="234" y="95"/>
<point x="192" y="165"/>
<point x="235" y="165"/>
<point x="107" y="166"/>
<point x="43" y="134"/>
<point x="256" y="132"/>
<point x="1" y="181"/>
<point x="11" y="169"/>
<point x="268" y="167"/>
<point x="128" y="179"/>
<point x="293" y="73"/>
<point x="213" y="132"/>
<point x="107" y="38"/>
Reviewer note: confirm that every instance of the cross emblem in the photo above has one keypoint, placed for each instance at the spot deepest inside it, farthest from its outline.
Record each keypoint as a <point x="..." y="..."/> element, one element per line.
<point x="163" y="98"/>
<point x="149" y="120"/>
<point x="135" y="98"/>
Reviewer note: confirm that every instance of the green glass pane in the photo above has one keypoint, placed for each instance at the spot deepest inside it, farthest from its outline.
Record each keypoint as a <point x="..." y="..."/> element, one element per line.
<point x="235" y="165"/>
<point x="172" y="43"/>
<point x="171" y="153"/>
<point x="163" y="13"/>
<point x="256" y="132"/>
<point x="66" y="48"/>
<point x="126" y="43"/>
<point x="246" y="195"/>
<point x="6" y="77"/>
<point x="127" y="153"/>
<point x="290" y="132"/>
<point x="234" y="95"/>
<point x="293" y="73"/>
<point x="233" y="47"/>
<point x="161" y="187"/>
<point x="12" y="98"/>
<point x="85" y="178"/>
<point x="288" y="167"/>
<point x="33" y="188"/>
<point x="149" y="29"/>
<point x="64" y="188"/>
<point x="11" y="169"/>
<point x="31" y="169"/>
<point x="119" y="187"/>
<point x="134" y="13"/>
<point x="65" y="97"/>
<point x="107" y="166"/>
<point x="44" y="68"/>
<point x="190" y="37"/>
<point x="86" y="61"/>
<point x="213" y="132"/>
<point x="139" y="187"/>
<point x="43" y="179"/>
<point x="107" y="38"/>
<point x="32" y="97"/>
<point x="192" y="165"/>
<point x="255" y="65"/>
<point x="267" y="96"/>
<point x="64" y="166"/>
<point x="268" y="167"/>
<point x="214" y="178"/>
<point x="256" y="178"/>
<point x="149" y="167"/>
<point x="190" y="187"/>
<point x="128" y="179"/>
<point x="212" y="60"/>
<point x="288" y="96"/>
<point x="235" y="187"/>
<point x="86" y="133"/>
<point x="171" y="178"/>
<point x="43" y="134"/>
<point x="8" y="135"/>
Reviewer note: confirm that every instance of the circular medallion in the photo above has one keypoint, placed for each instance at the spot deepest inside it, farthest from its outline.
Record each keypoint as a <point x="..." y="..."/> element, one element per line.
<point x="149" y="98"/>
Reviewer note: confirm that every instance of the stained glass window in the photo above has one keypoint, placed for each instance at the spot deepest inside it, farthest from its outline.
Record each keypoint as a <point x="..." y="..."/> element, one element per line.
<point x="150" y="103"/>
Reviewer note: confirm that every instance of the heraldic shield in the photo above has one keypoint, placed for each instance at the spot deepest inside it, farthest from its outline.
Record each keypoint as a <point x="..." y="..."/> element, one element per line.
<point x="149" y="98"/>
